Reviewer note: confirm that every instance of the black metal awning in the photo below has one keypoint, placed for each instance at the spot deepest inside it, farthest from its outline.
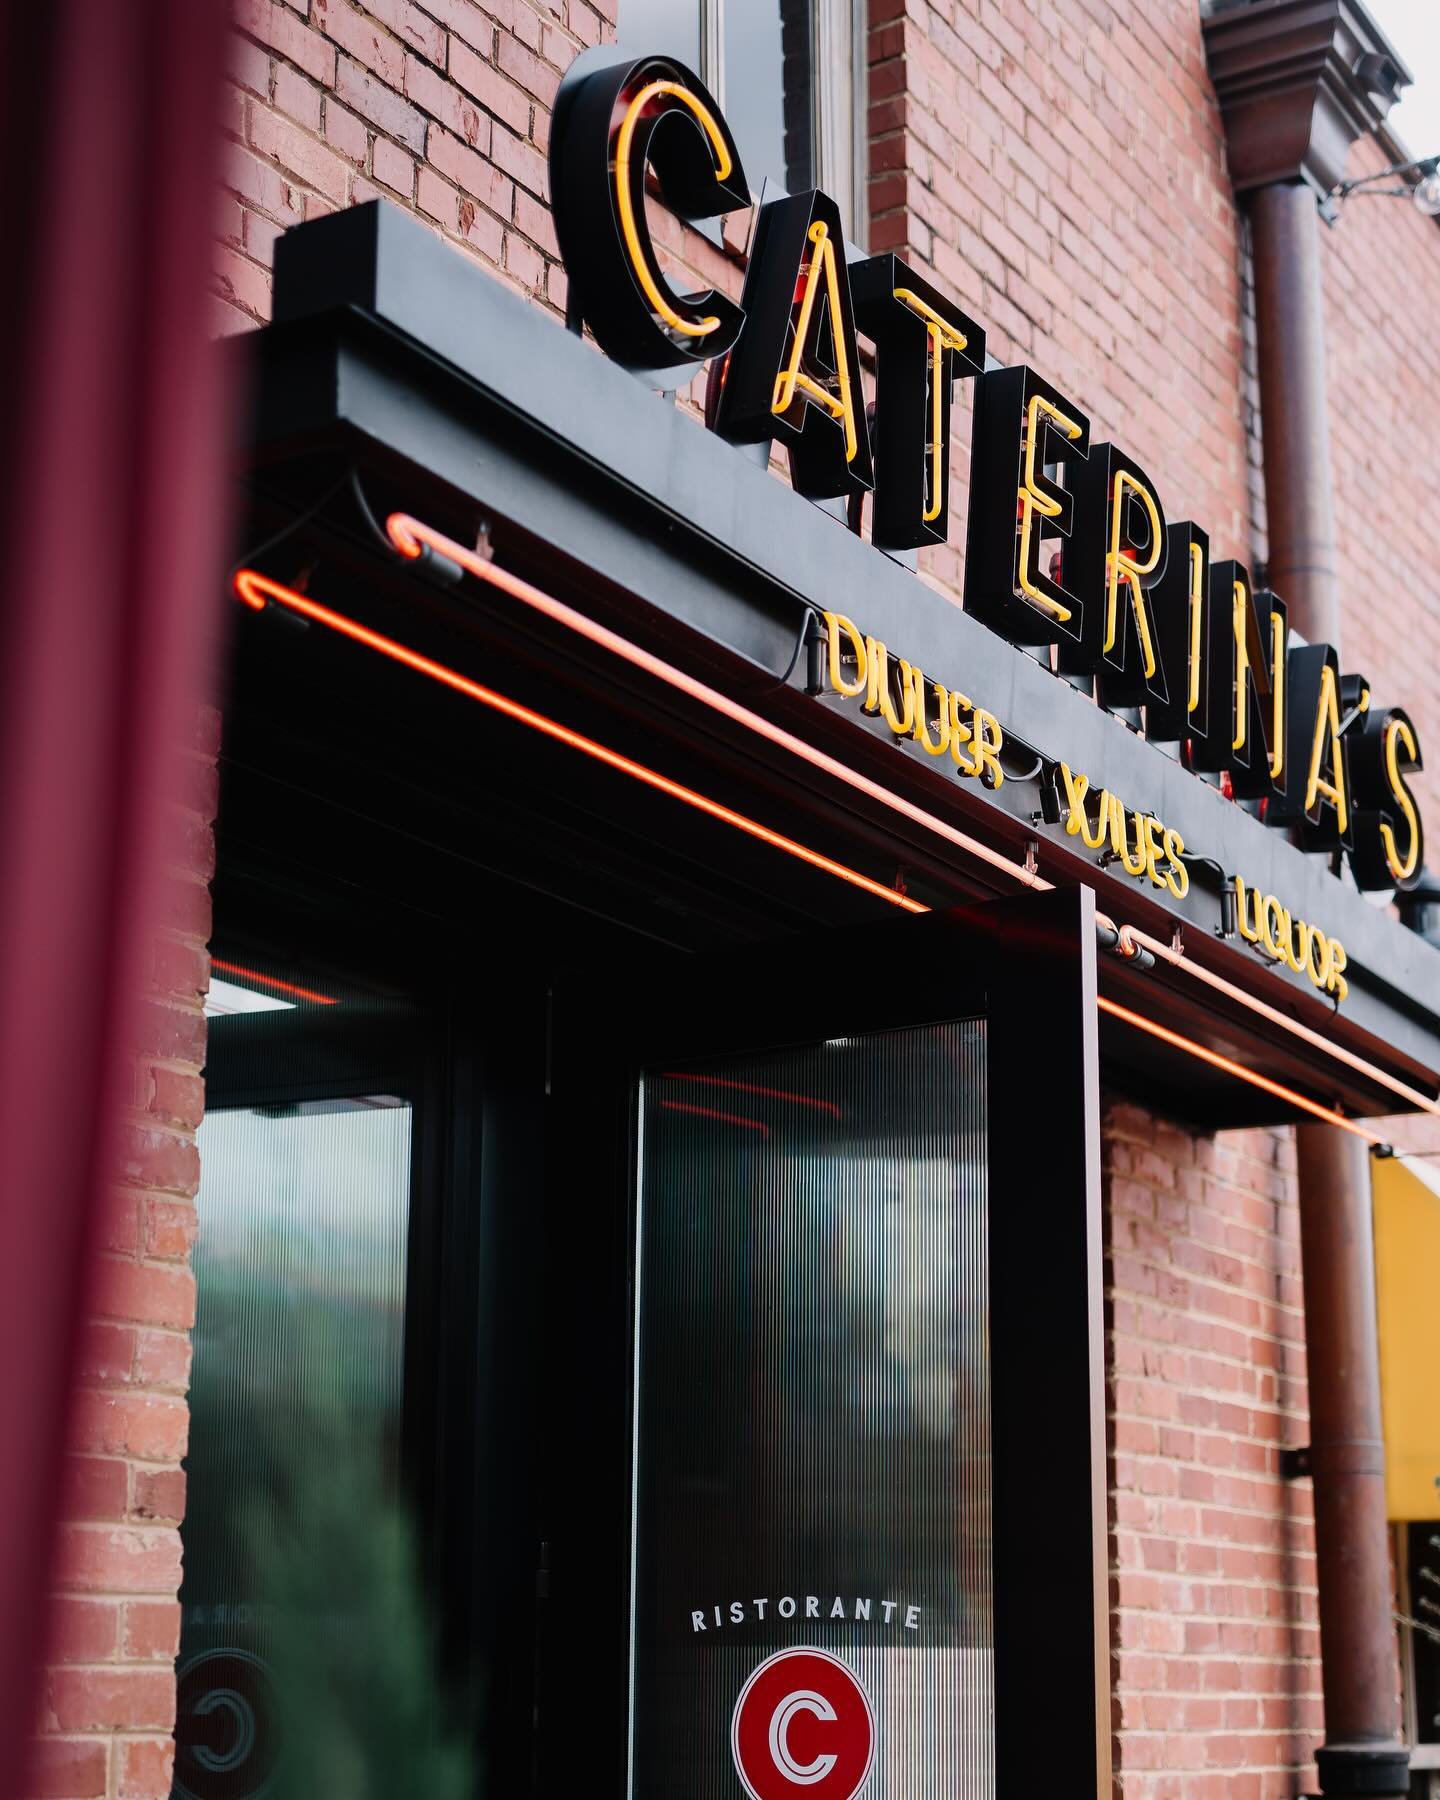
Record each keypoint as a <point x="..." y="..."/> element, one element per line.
<point x="396" y="361"/>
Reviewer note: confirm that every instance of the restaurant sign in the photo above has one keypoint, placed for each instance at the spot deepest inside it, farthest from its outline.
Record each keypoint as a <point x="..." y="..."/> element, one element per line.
<point x="1068" y="546"/>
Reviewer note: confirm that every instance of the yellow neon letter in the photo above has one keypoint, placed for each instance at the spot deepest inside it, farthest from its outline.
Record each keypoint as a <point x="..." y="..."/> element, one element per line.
<point x="1076" y="788"/>
<point x="961" y="735"/>
<point x="1177" y="876"/>
<point x="1327" y="724"/>
<point x="1277" y="695"/>
<point x="878" y="697"/>
<point x="989" y="741"/>
<point x="1275" y="924"/>
<point x="1122" y="567"/>
<point x="792" y="378"/>
<point x="941" y="336"/>
<point x="835" y="623"/>
<point x="1033" y="498"/>
<point x="1092" y="836"/>
<point x="1299" y="960"/>
<point x="1152" y="837"/>
<point x="1120" y="837"/>
<point x="1401" y="867"/>
<point x="1248" y="930"/>
<point x="1337" y="984"/>
<point x="1197" y="604"/>
<point x="635" y="246"/>
<point x="931" y="747"/>
<point x="1238" y="623"/>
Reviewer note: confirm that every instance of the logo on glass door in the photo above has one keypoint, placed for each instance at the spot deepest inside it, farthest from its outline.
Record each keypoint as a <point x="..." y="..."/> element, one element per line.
<point x="803" y="1729"/>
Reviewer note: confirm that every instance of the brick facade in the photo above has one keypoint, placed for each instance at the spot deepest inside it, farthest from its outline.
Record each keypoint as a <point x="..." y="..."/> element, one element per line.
<point x="1214" y="1637"/>
<point x="1382" y="289"/>
<point x="444" y="110"/>
<point x="1059" y="169"/>
<point x="108" y="1696"/>
<point x="1382" y="294"/>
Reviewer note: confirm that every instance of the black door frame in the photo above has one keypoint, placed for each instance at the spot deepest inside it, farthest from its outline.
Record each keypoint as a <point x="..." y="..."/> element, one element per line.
<point x="466" y="1048"/>
<point x="1028" y="966"/>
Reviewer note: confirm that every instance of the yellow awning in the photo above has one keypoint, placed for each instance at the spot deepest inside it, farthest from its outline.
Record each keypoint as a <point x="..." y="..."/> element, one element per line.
<point x="1407" y="1281"/>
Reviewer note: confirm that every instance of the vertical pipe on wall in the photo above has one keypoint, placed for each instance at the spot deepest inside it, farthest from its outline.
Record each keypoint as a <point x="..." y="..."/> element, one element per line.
<point x="1362" y="1753"/>
<point x="1299" y="486"/>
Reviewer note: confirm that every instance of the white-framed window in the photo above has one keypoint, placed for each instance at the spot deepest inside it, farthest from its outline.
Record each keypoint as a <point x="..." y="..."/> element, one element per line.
<point x="790" y="76"/>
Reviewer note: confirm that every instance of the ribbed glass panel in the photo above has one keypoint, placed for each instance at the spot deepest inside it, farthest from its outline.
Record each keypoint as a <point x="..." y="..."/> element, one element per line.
<point x="813" y="1413"/>
<point x="300" y="1269"/>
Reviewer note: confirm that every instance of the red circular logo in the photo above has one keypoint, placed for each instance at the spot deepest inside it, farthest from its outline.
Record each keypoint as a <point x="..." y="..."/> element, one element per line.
<point x="803" y="1729"/>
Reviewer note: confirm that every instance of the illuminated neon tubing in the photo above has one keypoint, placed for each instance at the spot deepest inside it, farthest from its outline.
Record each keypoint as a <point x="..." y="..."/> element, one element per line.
<point x="256" y="590"/>
<point x="1238" y="1070"/>
<point x="409" y="535"/>
<point x="274" y="981"/>
<point x="412" y="536"/>
<point x="635" y="248"/>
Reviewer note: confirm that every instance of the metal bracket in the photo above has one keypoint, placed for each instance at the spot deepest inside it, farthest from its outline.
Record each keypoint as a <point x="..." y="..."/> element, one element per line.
<point x="1295" y="1462"/>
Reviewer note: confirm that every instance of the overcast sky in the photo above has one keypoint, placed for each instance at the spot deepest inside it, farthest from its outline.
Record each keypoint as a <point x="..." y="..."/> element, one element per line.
<point x="1413" y="26"/>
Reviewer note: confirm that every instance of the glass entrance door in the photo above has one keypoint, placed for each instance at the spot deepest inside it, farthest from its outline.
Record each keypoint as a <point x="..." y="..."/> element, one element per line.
<point x="825" y="1496"/>
<point x="812" y="1420"/>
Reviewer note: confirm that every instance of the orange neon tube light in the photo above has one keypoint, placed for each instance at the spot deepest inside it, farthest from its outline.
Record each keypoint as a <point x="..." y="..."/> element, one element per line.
<point x="255" y="590"/>
<point x="1177" y="959"/>
<point x="274" y="981"/>
<point x="410" y="536"/>
<point x="1229" y="1067"/>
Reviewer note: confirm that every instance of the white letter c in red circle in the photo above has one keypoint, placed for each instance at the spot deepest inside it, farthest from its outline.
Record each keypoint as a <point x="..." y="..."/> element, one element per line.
<point x="803" y="1729"/>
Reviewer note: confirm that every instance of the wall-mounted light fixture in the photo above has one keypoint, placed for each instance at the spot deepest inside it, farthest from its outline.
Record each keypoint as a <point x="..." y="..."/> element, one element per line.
<point x="1424" y="191"/>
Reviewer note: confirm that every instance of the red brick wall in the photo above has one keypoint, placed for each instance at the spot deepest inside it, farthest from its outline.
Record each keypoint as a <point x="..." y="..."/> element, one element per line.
<point x="444" y="109"/>
<point x="108" y="1699"/>
<point x="1214" y="1635"/>
<point x="1060" y="170"/>
<point x="1382" y="294"/>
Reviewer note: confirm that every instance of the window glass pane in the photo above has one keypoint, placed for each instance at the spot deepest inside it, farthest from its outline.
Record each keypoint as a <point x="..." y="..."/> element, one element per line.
<point x="768" y="89"/>
<point x="298" y="1346"/>
<point x="668" y="27"/>
<point x="812" y="1470"/>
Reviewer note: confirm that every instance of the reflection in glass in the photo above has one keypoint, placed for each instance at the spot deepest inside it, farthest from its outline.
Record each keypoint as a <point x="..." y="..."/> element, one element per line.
<point x="662" y="27"/>
<point x="813" y="1399"/>
<point x="768" y="89"/>
<point x="300" y="1270"/>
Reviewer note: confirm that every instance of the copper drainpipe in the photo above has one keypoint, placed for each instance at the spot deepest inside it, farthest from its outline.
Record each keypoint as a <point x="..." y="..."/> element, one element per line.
<point x="1287" y="139"/>
<point x="1361" y="1754"/>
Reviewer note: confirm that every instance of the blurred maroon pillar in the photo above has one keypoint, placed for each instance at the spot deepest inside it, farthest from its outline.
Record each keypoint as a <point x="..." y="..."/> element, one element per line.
<point x="111" y="440"/>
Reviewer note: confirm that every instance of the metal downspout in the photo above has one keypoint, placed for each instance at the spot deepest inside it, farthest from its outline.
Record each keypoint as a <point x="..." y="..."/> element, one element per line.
<point x="1362" y="1753"/>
